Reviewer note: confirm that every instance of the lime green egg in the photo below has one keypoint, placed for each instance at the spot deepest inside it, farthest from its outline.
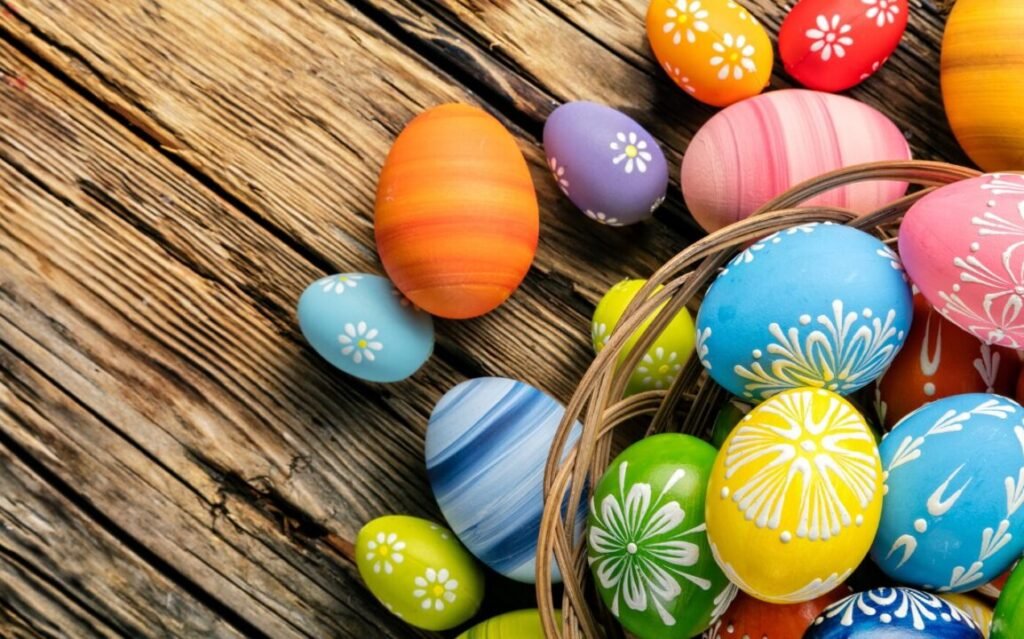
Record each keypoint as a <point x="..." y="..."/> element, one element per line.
<point x="521" y="624"/>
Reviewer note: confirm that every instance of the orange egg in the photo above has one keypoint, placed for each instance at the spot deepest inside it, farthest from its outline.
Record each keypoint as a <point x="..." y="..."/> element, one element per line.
<point x="982" y="70"/>
<point x="456" y="217"/>
<point x="713" y="49"/>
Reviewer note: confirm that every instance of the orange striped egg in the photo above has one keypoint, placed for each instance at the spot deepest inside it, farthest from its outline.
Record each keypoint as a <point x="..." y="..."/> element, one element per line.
<point x="456" y="217"/>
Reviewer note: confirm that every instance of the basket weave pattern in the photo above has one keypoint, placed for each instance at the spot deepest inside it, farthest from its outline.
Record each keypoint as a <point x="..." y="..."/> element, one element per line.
<point x="692" y="401"/>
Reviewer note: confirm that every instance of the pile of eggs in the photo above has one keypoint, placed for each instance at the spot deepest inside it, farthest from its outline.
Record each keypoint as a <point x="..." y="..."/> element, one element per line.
<point x="801" y="519"/>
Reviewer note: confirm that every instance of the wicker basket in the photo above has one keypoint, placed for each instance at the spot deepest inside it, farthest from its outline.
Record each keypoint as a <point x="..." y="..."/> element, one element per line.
<point x="692" y="401"/>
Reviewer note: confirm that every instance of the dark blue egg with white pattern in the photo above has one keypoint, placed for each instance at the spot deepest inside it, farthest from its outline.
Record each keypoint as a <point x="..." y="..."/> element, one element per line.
<point x="893" y="613"/>
<point x="487" y="442"/>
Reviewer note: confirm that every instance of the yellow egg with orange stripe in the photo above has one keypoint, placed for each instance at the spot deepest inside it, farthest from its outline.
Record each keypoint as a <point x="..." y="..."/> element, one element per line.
<point x="456" y="218"/>
<point x="713" y="49"/>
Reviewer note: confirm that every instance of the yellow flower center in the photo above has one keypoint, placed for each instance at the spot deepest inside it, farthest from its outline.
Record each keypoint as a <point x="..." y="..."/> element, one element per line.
<point x="631" y="151"/>
<point x="438" y="590"/>
<point x="361" y="343"/>
<point x="683" y="18"/>
<point x="383" y="551"/>
<point x="734" y="56"/>
<point x="342" y="278"/>
<point x="663" y="369"/>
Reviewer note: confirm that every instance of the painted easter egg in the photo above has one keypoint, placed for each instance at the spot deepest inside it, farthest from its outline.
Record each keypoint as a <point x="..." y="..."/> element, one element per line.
<point x="456" y="218"/>
<point x="954" y="482"/>
<point x="982" y="64"/>
<point x="751" y="617"/>
<point x="893" y="613"/>
<point x="487" y="442"/>
<point x="979" y="611"/>
<point x="939" y="360"/>
<point x="608" y="165"/>
<point x="1008" y="619"/>
<point x="664" y="360"/>
<point x="419" y="571"/>
<point x="730" y="415"/>
<point x="832" y="45"/>
<point x="757" y="149"/>
<point x="361" y="324"/>
<point x="712" y="49"/>
<point x="647" y="544"/>
<point x="994" y="588"/>
<point x="961" y="246"/>
<point x="807" y="317"/>
<point x="795" y="496"/>
<point x="519" y="624"/>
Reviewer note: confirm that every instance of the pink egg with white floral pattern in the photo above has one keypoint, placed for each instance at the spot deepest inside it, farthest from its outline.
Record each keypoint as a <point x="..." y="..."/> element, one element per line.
<point x="963" y="246"/>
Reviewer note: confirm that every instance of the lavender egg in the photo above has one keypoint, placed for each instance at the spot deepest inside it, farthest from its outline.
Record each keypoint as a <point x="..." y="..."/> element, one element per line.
<point x="608" y="165"/>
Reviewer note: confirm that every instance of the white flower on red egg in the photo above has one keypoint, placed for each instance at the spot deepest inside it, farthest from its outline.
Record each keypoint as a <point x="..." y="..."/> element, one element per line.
<point x="882" y="11"/>
<point x="830" y="37"/>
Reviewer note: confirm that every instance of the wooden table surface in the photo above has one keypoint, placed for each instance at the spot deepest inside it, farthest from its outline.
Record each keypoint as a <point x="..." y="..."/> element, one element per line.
<point x="174" y="461"/>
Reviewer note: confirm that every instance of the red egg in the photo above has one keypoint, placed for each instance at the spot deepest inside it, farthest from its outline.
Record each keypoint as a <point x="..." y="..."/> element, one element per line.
<point x="750" y="617"/>
<point x="832" y="45"/>
<point x="938" y="360"/>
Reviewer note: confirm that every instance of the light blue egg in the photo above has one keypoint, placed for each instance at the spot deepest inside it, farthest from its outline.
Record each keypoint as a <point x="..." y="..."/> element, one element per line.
<point x="364" y="326"/>
<point x="953" y="512"/>
<point x="487" y="443"/>
<point x="893" y="613"/>
<point x="820" y="305"/>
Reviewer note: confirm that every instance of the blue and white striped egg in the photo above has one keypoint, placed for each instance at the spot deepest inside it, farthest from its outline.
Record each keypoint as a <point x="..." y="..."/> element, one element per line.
<point x="953" y="512"/>
<point x="893" y="613"/>
<point x="816" y="305"/>
<point x="361" y="324"/>
<point x="487" y="442"/>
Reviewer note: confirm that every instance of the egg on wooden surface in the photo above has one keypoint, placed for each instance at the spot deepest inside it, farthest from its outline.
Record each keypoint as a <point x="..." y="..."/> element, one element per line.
<point x="647" y="545"/>
<point x="361" y="324"/>
<point x="456" y="218"/>
<point x="713" y="49"/>
<point x="981" y="69"/>
<point x="608" y="165"/>
<point x="954" y="491"/>
<point x="757" y="149"/>
<point x="753" y="618"/>
<point x="832" y="45"/>
<point x="961" y="247"/>
<point x="893" y="613"/>
<point x="519" y="624"/>
<point x="419" y="571"/>
<point x="487" y="442"/>
<point x="795" y="496"/>
<point x="665" y="359"/>
<point x="938" y="360"/>
<point x="815" y="305"/>
<point x="1008" y="618"/>
<point x="978" y="610"/>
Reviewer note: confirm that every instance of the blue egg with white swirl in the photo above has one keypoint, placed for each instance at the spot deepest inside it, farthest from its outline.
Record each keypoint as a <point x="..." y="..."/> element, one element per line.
<point x="893" y="613"/>
<point x="820" y="305"/>
<point x="487" y="442"/>
<point x="953" y="511"/>
<point x="361" y="324"/>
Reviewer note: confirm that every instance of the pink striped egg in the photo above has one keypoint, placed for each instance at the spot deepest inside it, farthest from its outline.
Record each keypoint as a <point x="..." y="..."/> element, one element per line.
<point x="756" y="149"/>
<point x="963" y="246"/>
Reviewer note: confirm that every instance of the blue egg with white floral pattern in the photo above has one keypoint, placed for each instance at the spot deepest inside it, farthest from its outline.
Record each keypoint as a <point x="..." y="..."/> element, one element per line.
<point x="361" y="324"/>
<point x="893" y="613"/>
<point x="953" y="512"/>
<point x="817" y="305"/>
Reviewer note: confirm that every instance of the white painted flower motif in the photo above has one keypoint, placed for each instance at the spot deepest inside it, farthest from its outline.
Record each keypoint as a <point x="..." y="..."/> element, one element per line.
<point x="359" y="342"/>
<point x="558" y="171"/>
<point x="631" y="148"/>
<point x="733" y="57"/>
<point x="339" y="283"/>
<point x="702" y="347"/>
<point x="686" y="17"/>
<point x="681" y="80"/>
<point x="637" y="547"/>
<point x="882" y="11"/>
<point x="603" y="218"/>
<point x="599" y="334"/>
<point x="742" y="12"/>
<point x="887" y="604"/>
<point x="436" y="588"/>
<point x="659" y="368"/>
<point x="384" y="550"/>
<point x="830" y="37"/>
<point x="874" y="67"/>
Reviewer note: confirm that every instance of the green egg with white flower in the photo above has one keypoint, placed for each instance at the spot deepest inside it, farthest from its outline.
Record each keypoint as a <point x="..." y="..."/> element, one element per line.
<point x="665" y="359"/>
<point x="647" y="543"/>
<point x="419" y="571"/>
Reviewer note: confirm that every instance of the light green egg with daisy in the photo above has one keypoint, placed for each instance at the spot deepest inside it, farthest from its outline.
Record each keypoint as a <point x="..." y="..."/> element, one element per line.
<point x="419" y="571"/>
<point x="665" y="359"/>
